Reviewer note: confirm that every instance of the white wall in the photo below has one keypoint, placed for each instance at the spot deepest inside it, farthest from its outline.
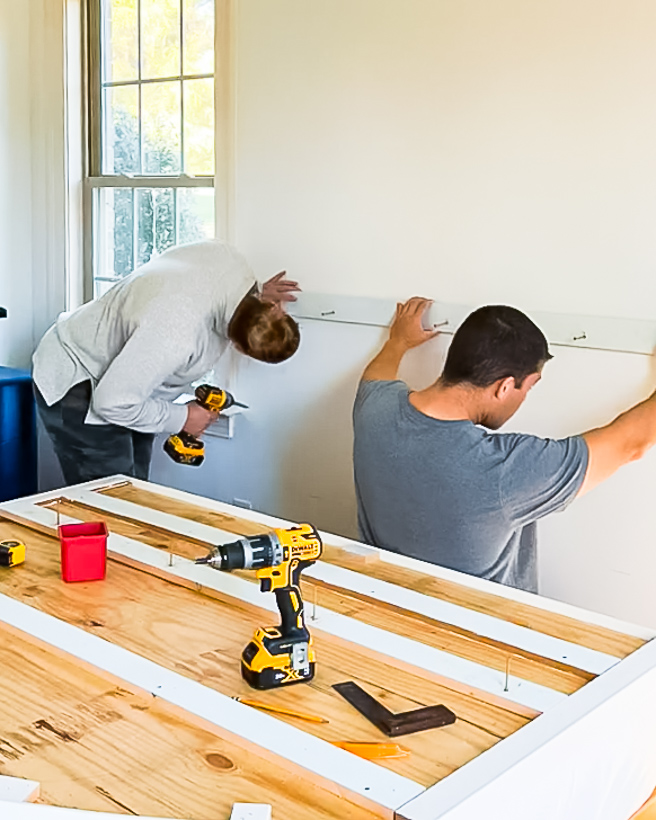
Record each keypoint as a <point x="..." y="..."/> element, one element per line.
<point x="475" y="151"/>
<point x="291" y="453"/>
<point x="32" y="169"/>
<point x="15" y="192"/>
<point x="480" y="149"/>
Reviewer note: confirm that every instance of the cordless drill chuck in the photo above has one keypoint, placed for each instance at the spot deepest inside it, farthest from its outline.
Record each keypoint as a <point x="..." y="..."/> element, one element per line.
<point x="247" y="553"/>
<point x="281" y="655"/>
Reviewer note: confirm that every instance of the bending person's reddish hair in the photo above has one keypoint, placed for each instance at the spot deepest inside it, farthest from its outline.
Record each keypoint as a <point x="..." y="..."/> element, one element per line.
<point x="263" y="331"/>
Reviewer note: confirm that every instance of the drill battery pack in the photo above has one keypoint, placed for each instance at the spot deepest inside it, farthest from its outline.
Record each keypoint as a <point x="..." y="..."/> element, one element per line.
<point x="270" y="660"/>
<point x="11" y="553"/>
<point x="185" y="449"/>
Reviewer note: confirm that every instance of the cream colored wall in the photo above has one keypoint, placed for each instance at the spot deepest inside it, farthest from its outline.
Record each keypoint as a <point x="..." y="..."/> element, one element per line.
<point x="32" y="170"/>
<point x="33" y="190"/>
<point x="15" y="191"/>
<point x="476" y="151"/>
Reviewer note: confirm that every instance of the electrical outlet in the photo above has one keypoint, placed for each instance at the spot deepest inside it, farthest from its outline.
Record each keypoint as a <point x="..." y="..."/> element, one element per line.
<point x="223" y="427"/>
<point x="243" y="502"/>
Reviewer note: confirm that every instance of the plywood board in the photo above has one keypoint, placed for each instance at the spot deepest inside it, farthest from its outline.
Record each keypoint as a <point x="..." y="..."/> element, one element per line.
<point x="260" y="734"/>
<point x="373" y="606"/>
<point x="30" y="811"/>
<point x="549" y="617"/>
<point x="494" y="628"/>
<point x="202" y="639"/>
<point x="454" y="671"/>
<point x="193" y="625"/>
<point x="97" y="746"/>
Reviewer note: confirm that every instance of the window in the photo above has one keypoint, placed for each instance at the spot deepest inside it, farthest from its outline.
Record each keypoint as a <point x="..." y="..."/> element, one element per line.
<point x="150" y="132"/>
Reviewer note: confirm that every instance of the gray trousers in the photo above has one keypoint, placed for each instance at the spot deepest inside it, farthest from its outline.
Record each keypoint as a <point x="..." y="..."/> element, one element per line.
<point x="90" y="451"/>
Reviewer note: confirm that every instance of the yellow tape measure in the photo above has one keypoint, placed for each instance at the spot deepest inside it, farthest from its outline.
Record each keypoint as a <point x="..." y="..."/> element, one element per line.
<point x="11" y="553"/>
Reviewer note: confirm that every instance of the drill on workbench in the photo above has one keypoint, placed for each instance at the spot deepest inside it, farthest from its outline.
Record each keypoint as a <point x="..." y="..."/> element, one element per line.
<point x="187" y="449"/>
<point x="276" y="656"/>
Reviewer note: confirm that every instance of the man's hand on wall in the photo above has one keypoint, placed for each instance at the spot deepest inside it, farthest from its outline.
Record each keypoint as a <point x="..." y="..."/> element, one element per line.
<point x="406" y="331"/>
<point x="407" y="328"/>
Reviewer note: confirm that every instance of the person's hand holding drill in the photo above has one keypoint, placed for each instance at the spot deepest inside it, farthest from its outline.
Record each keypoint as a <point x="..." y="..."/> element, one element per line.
<point x="198" y="419"/>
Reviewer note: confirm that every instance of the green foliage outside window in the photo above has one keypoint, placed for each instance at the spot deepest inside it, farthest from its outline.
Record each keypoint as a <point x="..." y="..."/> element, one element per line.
<point x="161" y="127"/>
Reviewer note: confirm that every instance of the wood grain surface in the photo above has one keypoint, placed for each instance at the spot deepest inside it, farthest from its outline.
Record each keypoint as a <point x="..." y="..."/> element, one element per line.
<point x="202" y="638"/>
<point x="97" y="746"/>
<point x="560" y="626"/>
<point x="487" y="651"/>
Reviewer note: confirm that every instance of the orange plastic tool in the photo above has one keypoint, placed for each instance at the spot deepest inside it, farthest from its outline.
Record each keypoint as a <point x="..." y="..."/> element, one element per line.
<point x="280" y="710"/>
<point x="373" y="751"/>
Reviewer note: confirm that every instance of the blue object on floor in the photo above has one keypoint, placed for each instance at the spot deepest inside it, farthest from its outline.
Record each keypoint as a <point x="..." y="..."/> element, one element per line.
<point x="18" y="465"/>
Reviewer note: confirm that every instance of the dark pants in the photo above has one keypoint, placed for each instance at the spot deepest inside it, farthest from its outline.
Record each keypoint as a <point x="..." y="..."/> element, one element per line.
<point x="90" y="451"/>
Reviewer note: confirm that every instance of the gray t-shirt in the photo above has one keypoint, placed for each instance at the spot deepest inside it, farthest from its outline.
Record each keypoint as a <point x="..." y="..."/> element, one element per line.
<point x="452" y="493"/>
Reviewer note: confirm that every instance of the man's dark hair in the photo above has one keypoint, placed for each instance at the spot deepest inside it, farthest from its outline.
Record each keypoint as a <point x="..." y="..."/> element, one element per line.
<point x="492" y="343"/>
<point x="263" y="331"/>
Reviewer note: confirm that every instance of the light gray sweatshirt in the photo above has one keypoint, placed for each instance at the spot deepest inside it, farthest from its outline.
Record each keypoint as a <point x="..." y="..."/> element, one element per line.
<point x="145" y="340"/>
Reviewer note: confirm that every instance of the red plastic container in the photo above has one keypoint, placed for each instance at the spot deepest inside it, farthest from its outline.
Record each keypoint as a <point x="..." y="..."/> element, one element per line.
<point x="83" y="551"/>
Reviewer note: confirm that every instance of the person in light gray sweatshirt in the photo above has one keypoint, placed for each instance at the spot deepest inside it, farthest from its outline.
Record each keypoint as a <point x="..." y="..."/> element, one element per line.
<point x="106" y="375"/>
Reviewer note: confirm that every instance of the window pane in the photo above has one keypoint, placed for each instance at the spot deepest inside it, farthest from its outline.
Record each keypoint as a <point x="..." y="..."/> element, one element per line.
<point x="198" y="41"/>
<point x="113" y="236"/>
<point x="120" y="44"/>
<point x="161" y="139"/>
<point x="160" y="38"/>
<point x="195" y="214"/>
<point x="132" y="225"/>
<point x="157" y="218"/>
<point x="198" y="127"/>
<point x="121" y="153"/>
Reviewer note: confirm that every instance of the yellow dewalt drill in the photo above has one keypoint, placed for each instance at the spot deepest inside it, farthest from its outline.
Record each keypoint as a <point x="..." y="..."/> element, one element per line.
<point x="276" y="656"/>
<point x="187" y="449"/>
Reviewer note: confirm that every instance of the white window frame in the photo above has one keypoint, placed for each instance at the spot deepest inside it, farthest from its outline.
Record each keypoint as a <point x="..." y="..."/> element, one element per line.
<point x="94" y="180"/>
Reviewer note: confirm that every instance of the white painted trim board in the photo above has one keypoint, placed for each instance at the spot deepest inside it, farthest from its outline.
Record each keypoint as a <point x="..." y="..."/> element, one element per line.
<point x="251" y="811"/>
<point x="447" y="667"/>
<point x="479" y="623"/>
<point x="287" y="742"/>
<point x="597" y="747"/>
<point x="17" y="789"/>
<point x="563" y="329"/>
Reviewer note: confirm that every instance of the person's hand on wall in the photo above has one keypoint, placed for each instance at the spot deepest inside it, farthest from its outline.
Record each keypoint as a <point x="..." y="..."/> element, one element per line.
<point x="198" y="419"/>
<point x="406" y="332"/>
<point x="407" y="329"/>
<point x="279" y="290"/>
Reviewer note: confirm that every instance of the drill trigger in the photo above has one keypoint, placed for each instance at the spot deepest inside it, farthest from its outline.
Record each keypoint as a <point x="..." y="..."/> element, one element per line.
<point x="265" y="585"/>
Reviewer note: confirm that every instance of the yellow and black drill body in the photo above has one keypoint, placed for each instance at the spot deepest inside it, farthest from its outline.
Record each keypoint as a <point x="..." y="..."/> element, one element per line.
<point x="276" y="656"/>
<point x="184" y="448"/>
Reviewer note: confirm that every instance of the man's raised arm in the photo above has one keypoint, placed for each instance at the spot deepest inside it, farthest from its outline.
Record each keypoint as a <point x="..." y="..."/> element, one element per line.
<point x="625" y="439"/>
<point x="406" y="332"/>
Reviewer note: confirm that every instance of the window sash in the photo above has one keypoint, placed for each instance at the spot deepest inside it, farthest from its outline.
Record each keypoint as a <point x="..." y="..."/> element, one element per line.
<point x="93" y="139"/>
<point x="159" y="181"/>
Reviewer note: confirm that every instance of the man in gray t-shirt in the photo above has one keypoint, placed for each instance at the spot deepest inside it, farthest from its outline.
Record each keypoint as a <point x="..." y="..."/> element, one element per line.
<point x="433" y="483"/>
